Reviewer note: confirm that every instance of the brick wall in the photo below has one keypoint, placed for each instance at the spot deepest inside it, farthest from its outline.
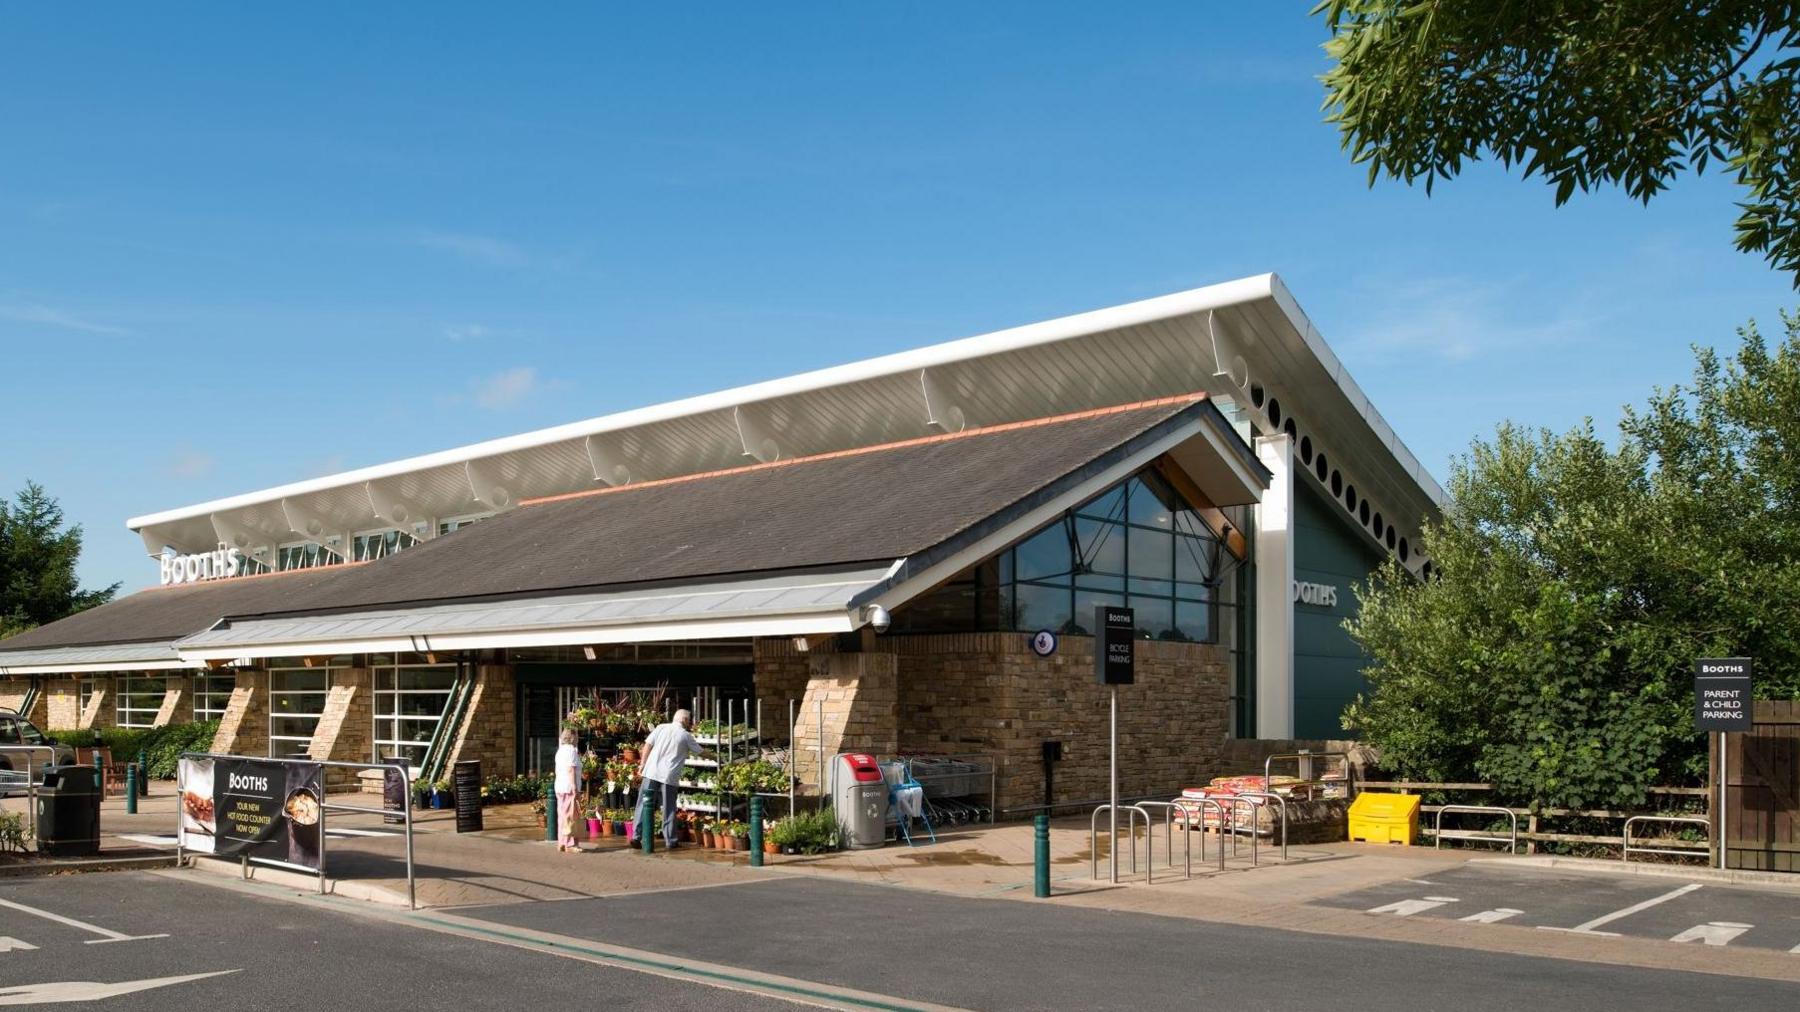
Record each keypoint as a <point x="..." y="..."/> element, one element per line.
<point x="12" y="692"/>
<point x="489" y="729"/>
<point x="244" y="729"/>
<point x="851" y="703"/>
<point x="988" y="693"/>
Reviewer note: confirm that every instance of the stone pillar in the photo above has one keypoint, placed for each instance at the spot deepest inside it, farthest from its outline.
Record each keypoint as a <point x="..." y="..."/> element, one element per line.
<point x="489" y="730"/>
<point x="178" y="701"/>
<point x="244" y="730"/>
<point x="12" y="692"/>
<point x="346" y="731"/>
<point x="1274" y="554"/>
<point x="851" y="704"/>
<point x="62" y="708"/>
<point x="102" y="709"/>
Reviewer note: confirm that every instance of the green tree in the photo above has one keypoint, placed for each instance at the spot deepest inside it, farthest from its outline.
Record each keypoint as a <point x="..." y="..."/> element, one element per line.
<point x="1582" y="92"/>
<point x="37" y="563"/>
<point x="1575" y="583"/>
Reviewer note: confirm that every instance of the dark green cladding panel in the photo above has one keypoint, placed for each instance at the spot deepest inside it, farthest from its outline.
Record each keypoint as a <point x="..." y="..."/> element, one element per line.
<point x="1327" y="662"/>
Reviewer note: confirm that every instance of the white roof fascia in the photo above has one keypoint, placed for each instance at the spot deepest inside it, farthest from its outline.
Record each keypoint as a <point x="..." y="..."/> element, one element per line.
<point x="1047" y="332"/>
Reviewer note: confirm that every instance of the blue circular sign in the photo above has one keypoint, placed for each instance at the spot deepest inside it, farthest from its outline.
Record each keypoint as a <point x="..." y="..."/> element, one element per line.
<point x="1043" y="643"/>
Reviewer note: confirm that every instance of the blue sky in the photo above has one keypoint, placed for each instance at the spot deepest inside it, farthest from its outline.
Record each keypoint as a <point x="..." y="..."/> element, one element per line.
<point x="241" y="247"/>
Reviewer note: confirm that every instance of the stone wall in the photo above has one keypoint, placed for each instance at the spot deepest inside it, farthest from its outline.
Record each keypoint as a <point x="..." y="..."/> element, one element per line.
<point x="12" y="692"/>
<point x="346" y="728"/>
<point x="62" y="710"/>
<point x="489" y="728"/>
<point x="244" y="729"/>
<point x="851" y="704"/>
<point x="987" y="693"/>
<point x="178" y="701"/>
<point x="102" y="709"/>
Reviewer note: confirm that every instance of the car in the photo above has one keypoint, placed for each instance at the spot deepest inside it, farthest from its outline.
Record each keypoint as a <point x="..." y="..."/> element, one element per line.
<point x="17" y="731"/>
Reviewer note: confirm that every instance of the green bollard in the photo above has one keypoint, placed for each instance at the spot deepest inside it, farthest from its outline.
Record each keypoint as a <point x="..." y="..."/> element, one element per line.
<point x="131" y="785"/>
<point x="550" y="812"/>
<point x="99" y="771"/>
<point x="756" y="844"/>
<point x="143" y="775"/>
<point x="647" y="839"/>
<point x="1041" y="832"/>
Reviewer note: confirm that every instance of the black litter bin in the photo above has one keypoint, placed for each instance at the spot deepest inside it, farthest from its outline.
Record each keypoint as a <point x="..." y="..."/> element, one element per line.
<point x="68" y="822"/>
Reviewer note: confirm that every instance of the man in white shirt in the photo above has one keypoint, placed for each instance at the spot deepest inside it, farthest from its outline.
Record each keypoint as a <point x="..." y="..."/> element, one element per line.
<point x="665" y="752"/>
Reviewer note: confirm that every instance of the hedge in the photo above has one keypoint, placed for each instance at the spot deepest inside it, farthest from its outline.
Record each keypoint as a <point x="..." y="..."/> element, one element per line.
<point x="162" y="746"/>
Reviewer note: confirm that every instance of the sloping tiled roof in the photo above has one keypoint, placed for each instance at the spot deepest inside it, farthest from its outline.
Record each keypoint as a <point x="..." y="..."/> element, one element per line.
<point x="855" y="507"/>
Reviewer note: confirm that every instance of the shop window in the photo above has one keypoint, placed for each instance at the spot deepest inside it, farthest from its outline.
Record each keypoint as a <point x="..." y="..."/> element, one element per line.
<point x="296" y="702"/>
<point x="379" y="544"/>
<point x="212" y="694"/>
<point x="457" y="523"/>
<point x="410" y="701"/>
<point x="137" y="700"/>
<point x="1137" y="544"/>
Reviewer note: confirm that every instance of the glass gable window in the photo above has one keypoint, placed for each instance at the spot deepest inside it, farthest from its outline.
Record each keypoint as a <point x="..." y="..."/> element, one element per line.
<point x="296" y="702"/>
<point x="137" y="700"/>
<point x="306" y="555"/>
<point x="379" y="544"/>
<point x="409" y="704"/>
<point x="1138" y="544"/>
<point x="212" y="694"/>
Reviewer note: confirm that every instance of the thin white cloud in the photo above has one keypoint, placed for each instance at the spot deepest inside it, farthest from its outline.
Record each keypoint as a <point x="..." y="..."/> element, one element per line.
<point x="506" y="388"/>
<point x="1453" y="320"/>
<point x="46" y="316"/>
<point x="460" y="332"/>
<point x="480" y="249"/>
<point x="192" y="464"/>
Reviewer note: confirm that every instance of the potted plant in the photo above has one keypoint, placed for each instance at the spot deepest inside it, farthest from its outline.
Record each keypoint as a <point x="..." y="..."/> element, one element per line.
<point x="620" y="818"/>
<point x="740" y="836"/>
<point x="770" y="846"/>
<point x="595" y="829"/>
<point x="441" y="796"/>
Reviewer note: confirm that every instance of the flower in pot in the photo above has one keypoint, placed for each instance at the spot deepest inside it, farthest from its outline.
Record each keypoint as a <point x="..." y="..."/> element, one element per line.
<point x="593" y="825"/>
<point x="441" y="796"/>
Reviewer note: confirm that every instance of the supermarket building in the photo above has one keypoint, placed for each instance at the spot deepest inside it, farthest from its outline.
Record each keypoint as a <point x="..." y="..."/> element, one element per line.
<point x="865" y="551"/>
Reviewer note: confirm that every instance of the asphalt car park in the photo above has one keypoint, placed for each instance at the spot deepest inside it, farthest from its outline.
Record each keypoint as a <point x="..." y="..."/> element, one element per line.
<point x="1639" y="906"/>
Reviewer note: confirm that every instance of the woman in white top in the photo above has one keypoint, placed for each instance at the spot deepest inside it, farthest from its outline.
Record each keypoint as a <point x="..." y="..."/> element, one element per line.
<point x="568" y="776"/>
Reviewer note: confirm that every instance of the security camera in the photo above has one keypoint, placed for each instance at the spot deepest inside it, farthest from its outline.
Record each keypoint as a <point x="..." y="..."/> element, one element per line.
<point x="880" y="619"/>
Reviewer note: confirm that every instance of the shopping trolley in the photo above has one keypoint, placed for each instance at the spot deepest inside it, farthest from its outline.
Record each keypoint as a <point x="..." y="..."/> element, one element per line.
<point x="906" y="800"/>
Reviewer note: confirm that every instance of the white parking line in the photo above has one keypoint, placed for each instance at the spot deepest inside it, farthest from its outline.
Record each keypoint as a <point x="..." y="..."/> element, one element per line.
<point x="8" y="944"/>
<point x="1588" y="928"/>
<point x="1714" y="933"/>
<point x="1407" y="908"/>
<point x="106" y="935"/>
<point x="1493" y="916"/>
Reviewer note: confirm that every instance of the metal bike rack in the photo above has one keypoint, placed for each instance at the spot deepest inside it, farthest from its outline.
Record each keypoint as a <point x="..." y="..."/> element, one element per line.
<point x="32" y="780"/>
<point x="1188" y="807"/>
<point x="1437" y="826"/>
<point x="1693" y="820"/>
<point x="1255" y="834"/>
<point x="1132" y="814"/>
<point x="1187" y="846"/>
<point x="1348" y="779"/>
<point x="1281" y="803"/>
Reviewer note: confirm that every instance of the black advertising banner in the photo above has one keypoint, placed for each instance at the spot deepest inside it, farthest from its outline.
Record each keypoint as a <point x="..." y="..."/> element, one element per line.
<point x="1722" y="694"/>
<point x="394" y="784"/>
<point x="267" y="809"/>
<point x="1115" y="637"/>
<point x="465" y="785"/>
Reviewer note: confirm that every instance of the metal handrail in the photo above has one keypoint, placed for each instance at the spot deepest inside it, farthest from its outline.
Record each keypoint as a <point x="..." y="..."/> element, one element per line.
<point x="1280" y="801"/>
<point x="1348" y="779"/>
<point x="1437" y="826"/>
<point x="1187" y="845"/>
<point x="1687" y="819"/>
<point x="1131" y="814"/>
<point x="406" y="810"/>
<point x="32" y="781"/>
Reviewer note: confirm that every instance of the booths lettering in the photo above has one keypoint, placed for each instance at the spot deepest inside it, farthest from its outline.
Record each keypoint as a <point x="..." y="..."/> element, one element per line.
<point x="221" y="562"/>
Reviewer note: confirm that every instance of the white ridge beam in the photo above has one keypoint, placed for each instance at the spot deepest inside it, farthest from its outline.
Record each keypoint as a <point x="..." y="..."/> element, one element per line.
<point x="755" y="439"/>
<point x="316" y="528"/>
<point x="940" y="412"/>
<point x="609" y="466"/>
<point x="485" y="486"/>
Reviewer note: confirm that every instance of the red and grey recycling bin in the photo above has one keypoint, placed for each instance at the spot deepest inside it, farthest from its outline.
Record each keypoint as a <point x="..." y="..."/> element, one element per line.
<point x="859" y="796"/>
